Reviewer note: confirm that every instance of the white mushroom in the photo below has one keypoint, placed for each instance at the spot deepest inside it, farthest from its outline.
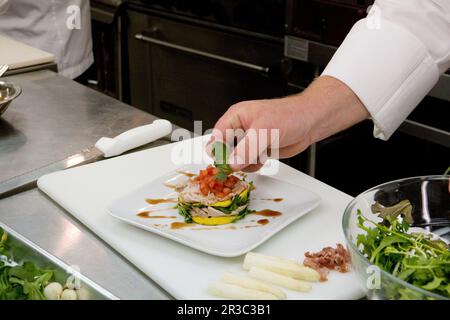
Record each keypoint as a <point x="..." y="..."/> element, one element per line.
<point x="70" y="283"/>
<point x="69" y="294"/>
<point x="82" y="294"/>
<point x="53" y="291"/>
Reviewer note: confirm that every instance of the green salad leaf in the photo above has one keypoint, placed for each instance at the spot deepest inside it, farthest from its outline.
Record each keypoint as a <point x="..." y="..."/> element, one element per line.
<point x="447" y="172"/>
<point x="23" y="281"/>
<point x="184" y="210"/>
<point x="220" y="153"/>
<point x="416" y="258"/>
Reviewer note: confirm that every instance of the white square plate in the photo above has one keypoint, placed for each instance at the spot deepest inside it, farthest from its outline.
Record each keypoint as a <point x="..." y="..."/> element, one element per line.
<point x="227" y="240"/>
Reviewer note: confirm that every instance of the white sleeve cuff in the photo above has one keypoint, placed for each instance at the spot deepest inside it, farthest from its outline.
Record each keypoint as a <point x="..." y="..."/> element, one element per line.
<point x="388" y="68"/>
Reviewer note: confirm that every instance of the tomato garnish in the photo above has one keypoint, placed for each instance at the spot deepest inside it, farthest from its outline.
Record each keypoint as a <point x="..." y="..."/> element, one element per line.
<point x="208" y="183"/>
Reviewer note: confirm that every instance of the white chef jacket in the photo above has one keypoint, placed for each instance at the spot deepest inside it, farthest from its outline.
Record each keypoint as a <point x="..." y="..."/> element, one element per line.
<point x="52" y="26"/>
<point x="394" y="57"/>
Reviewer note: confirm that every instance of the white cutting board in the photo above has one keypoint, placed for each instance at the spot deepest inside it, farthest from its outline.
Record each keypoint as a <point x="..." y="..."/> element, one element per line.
<point x="184" y="272"/>
<point x="19" y="55"/>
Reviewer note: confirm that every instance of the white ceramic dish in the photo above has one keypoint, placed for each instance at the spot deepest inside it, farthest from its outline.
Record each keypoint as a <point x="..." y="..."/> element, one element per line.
<point x="227" y="240"/>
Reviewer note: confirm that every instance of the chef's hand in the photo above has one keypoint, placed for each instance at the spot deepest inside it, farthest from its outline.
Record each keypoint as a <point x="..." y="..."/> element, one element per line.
<point x="326" y="107"/>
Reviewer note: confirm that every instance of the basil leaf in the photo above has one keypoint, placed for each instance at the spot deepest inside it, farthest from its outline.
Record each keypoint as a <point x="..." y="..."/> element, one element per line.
<point x="220" y="152"/>
<point x="221" y="176"/>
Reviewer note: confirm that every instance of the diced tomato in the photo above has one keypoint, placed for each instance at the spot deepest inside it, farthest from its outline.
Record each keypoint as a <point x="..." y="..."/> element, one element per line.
<point x="220" y="194"/>
<point x="204" y="189"/>
<point x="208" y="182"/>
<point x="212" y="171"/>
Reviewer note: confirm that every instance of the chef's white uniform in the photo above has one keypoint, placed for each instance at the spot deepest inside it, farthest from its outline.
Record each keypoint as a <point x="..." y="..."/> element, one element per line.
<point x="394" y="57"/>
<point x="61" y="27"/>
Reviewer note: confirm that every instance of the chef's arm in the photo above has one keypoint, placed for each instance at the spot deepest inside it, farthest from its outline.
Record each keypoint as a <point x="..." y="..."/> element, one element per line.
<point x="379" y="72"/>
<point x="327" y="106"/>
<point x="394" y="57"/>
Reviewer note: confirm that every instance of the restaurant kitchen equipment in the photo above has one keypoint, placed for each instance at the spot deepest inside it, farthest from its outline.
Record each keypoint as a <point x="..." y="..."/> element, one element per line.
<point x="107" y="74"/>
<point x="191" y="60"/>
<point x="421" y="146"/>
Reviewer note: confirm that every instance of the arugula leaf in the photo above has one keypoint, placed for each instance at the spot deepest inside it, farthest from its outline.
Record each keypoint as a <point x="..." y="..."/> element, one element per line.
<point x="221" y="176"/>
<point x="447" y="172"/>
<point x="24" y="281"/>
<point x="413" y="257"/>
<point x="242" y="214"/>
<point x="184" y="210"/>
<point x="237" y="202"/>
<point x="432" y="285"/>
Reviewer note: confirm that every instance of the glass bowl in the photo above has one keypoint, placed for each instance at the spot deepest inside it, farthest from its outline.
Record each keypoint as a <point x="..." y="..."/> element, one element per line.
<point x="430" y="199"/>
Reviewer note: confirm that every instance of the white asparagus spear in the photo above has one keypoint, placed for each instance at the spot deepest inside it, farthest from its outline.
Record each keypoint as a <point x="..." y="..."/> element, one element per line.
<point x="284" y="260"/>
<point x="278" y="265"/>
<point x="253" y="284"/>
<point x="230" y="291"/>
<point x="280" y="280"/>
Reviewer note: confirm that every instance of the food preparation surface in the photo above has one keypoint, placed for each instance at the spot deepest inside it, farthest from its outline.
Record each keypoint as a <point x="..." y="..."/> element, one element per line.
<point x="184" y="272"/>
<point x="54" y="118"/>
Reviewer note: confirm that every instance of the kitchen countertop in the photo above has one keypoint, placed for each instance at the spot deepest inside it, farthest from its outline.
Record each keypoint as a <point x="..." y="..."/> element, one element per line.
<point x="54" y="118"/>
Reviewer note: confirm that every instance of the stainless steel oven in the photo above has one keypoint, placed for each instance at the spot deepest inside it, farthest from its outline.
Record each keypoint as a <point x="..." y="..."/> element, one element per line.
<point x="353" y="160"/>
<point x="186" y="64"/>
<point x="107" y="73"/>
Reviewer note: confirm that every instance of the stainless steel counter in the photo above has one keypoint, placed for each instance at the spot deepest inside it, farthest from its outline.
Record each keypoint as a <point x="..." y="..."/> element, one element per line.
<point x="54" y="118"/>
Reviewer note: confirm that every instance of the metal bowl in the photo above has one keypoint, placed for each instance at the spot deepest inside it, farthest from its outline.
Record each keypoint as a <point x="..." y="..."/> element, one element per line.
<point x="430" y="200"/>
<point x="8" y="92"/>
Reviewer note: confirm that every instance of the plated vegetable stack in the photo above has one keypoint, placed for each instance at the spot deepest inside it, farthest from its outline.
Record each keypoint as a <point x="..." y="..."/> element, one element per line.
<point x="215" y="196"/>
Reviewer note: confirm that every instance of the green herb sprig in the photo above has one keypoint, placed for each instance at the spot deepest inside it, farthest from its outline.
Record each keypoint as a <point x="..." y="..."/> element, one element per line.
<point x="220" y="153"/>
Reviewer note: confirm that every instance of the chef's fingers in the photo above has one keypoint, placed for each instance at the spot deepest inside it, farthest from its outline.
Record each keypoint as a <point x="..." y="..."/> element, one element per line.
<point x="249" y="150"/>
<point x="289" y="151"/>
<point x="226" y="129"/>
<point x="233" y="136"/>
<point x="253" y="167"/>
<point x="229" y="122"/>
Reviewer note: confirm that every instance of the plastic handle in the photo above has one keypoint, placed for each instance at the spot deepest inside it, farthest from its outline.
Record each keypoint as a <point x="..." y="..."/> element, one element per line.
<point x="134" y="138"/>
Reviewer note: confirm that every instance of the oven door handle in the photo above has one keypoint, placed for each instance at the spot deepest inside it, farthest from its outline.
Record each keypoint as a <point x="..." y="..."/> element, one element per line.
<point x="216" y="57"/>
